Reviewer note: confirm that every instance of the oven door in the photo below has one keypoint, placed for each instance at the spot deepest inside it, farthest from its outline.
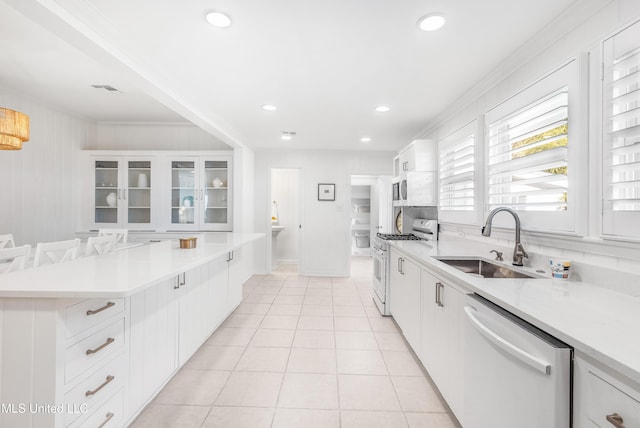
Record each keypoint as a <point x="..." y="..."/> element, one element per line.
<point x="380" y="273"/>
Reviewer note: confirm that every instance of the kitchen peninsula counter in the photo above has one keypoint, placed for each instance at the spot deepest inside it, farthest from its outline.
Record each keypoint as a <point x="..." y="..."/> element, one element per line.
<point x="121" y="273"/>
<point x="96" y="338"/>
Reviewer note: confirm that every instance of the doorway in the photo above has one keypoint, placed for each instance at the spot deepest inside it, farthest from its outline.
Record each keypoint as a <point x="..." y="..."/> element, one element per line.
<point x="285" y="207"/>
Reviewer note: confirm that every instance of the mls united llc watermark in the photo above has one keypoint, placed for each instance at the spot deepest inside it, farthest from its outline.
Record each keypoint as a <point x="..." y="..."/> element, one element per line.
<point x="22" y="408"/>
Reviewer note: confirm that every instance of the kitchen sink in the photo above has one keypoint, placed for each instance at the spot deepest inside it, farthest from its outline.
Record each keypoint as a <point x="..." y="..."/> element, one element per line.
<point x="485" y="268"/>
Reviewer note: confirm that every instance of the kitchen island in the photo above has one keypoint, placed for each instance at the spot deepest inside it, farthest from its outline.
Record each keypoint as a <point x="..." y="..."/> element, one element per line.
<point x="92" y="341"/>
<point x="597" y="320"/>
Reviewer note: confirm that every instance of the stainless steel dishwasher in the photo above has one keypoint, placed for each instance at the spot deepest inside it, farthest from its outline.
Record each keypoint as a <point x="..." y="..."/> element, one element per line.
<point x="515" y="375"/>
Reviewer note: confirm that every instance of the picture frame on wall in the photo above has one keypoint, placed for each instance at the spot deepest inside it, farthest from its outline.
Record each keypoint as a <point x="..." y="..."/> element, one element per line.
<point x="326" y="192"/>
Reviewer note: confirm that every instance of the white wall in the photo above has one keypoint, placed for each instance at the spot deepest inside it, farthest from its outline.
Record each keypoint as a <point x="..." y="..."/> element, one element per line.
<point x="326" y="243"/>
<point x="38" y="184"/>
<point x="285" y="189"/>
<point x="154" y="136"/>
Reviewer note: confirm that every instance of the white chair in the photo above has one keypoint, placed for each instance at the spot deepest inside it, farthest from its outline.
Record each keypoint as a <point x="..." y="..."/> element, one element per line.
<point x="121" y="234"/>
<point x="56" y="252"/>
<point x="100" y="245"/>
<point x="13" y="259"/>
<point x="6" y="241"/>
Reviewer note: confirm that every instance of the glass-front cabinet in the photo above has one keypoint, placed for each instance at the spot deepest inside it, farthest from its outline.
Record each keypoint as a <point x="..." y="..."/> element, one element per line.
<point x="122" y="192"/>
<point x="200" y="193"/>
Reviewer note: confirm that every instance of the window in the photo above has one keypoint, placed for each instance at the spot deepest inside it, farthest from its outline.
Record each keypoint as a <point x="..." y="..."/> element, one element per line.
<point x="534" y="141"/>
<point x="457" y="170"/>
<point x="621" y="128"/>
<point x="528" y="156"/>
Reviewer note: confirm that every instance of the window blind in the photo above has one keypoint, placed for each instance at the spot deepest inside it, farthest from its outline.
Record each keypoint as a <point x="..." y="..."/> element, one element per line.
<point x="528" y="156"/>
<point x="623" y="145"/>
<point x="457" y="174"/>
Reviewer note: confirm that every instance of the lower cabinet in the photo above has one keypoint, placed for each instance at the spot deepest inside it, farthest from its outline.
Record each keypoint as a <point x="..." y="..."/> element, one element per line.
<point x="405" y="296"/>
<point x="154" y="341"/>
<point x="602" y="398"/>
<point x="441" y="337"/>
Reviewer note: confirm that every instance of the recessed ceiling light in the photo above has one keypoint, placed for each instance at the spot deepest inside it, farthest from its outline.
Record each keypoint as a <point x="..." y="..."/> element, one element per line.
<point x="382" y="109"/>
<point x="269" y="107"/>
<point x="218" y="19"/>
<point x="365" y="139"/>
<point x="431" y="22"/>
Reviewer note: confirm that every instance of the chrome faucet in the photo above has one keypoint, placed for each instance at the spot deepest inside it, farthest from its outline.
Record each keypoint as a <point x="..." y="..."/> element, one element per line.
<point x="518" y="251"/>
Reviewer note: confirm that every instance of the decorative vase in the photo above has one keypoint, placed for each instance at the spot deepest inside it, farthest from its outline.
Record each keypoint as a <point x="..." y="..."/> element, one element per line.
<point x="217" y="182"/>
<point x="143" y="181"/>
<point x="111" y="199"/>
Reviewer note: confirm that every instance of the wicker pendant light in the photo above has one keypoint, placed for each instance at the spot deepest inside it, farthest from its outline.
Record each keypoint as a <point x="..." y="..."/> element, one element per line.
<point x="14" y="129"/>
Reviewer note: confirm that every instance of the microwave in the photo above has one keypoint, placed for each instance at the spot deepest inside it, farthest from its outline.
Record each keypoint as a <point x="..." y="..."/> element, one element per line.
<point x="416" y="189"/>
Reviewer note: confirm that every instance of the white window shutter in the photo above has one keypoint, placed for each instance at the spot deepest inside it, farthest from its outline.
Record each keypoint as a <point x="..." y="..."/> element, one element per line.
<point x="621" y="139"/>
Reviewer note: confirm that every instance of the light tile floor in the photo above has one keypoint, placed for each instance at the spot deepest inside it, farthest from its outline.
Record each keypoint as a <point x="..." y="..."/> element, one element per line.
<point x="302" y="352"/>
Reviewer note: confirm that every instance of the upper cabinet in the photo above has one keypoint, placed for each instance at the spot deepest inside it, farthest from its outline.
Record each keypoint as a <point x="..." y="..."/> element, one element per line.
<point x="122" y="192"/>
<point x="419" y="155"/>
<point x="200" y="193"/>
<point x="158" y="191"/>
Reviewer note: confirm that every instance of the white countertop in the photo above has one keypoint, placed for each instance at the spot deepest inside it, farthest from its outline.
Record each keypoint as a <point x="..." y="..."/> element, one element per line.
<point x="595" y="320"/>
<point x="121" y="273"/>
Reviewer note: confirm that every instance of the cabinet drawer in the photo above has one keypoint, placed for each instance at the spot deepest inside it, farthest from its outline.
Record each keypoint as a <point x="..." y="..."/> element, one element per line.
<point x="93" y="350"/>
<point x="88" y="313"/>
<point x="92" y="391"/>
<point x="606" y="399"/>
<point x="110" y="414"/>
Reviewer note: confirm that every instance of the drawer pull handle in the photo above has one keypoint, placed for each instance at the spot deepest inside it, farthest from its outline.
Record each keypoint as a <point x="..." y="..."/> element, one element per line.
<point x="615" y="420"/>
<point x="109" y="379"/>
<point x="109" y="341"/>
<point x="108" y="418"/>
<point x="95" y="311"/>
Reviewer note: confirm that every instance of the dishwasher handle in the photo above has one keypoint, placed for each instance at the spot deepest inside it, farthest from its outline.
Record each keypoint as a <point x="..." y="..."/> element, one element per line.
<point x="506" y="346"/>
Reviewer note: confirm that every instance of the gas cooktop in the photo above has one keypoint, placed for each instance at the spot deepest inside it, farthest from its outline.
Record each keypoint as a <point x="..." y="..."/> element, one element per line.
<point x="398" y="237"/>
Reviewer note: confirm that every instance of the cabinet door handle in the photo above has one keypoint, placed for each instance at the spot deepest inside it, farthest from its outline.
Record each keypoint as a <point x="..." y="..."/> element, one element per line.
<point x="109" y="379"/>
<point x="95" y="311"/>
<point x="124" y="193"/>
<point x="616" y="420"/>
<point x="439" y="287"/>
<point x="109" y="341"/>
<point x="182" y="281"/>
<point x="108" y="417"/>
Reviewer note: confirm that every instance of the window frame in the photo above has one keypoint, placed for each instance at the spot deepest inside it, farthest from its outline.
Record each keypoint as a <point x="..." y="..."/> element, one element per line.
<point x="473" y="128"/>
<point x="574" y="75"/>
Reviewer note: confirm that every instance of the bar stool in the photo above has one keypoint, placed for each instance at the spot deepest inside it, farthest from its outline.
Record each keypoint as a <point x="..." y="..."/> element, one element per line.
<point x="56" y="252"/>
<point x="14" y="259"/>
<point x="6" y="241"/>
<point x="100" y="245"/>
<point x="121" y="234"/>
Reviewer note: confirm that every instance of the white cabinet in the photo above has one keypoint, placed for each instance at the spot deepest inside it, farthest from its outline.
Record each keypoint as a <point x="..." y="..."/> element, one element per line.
<point x="200" y="193"/>
<point x="405" y="296"/>
<point x="441" y="338"/>
<point x="159" y="191"/>
<point x="124" y="192"/>
<point x="153" y="341"/>
<point x="603" y="398"/>
<point x="419" y="155"/>
<point x="70" y="373"/>
<point x="193" y="295"/>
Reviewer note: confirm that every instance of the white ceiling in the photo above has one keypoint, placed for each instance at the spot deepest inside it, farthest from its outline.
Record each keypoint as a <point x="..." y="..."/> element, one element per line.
<point x="325" y="64"/>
